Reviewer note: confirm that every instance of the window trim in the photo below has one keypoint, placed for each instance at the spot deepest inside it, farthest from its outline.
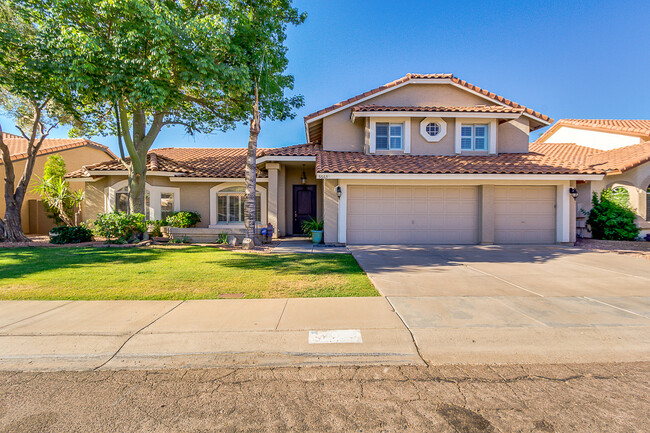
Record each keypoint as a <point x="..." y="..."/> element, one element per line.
<point x="154" y="191"/>
<point x="214" y="191"/>
<point x="371" y="134"/>
<point x="491" y="134"/>
<point x="436" y="138"/>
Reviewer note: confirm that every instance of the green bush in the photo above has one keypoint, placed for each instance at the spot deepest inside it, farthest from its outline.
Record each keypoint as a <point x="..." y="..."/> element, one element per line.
<point x="154" y="227"/>
<point x="612" y="217"/>
<point x="70" y="235"/>
<point x="120" y="226"/>
<point x="222" y="238"/>
<point x="183" y="219"/>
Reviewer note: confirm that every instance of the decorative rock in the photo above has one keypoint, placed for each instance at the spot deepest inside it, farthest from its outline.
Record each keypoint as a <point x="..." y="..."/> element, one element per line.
<point x="232" y="241"/>
<point x="248" y="244"/>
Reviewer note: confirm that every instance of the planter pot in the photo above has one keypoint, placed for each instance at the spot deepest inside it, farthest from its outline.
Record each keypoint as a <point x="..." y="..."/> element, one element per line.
<point x="317" y="236"/>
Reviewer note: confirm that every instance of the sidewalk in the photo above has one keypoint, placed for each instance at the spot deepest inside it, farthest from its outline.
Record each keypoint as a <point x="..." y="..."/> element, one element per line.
<point x="90" y="335"/>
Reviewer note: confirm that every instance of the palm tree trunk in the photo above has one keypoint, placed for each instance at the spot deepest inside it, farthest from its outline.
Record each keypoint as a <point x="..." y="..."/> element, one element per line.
<point x="251" y="170"/>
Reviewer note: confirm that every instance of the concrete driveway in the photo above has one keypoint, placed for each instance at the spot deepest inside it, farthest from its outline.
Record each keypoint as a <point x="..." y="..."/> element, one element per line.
<point x="516" y="304"/>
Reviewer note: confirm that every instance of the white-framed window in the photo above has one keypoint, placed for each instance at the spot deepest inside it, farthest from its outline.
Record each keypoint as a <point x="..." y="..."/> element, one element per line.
<point x="159" y="201"/>
<point x="230" y="206"/>
<point x="474" y="136"/>
<point x="389" y="136"/>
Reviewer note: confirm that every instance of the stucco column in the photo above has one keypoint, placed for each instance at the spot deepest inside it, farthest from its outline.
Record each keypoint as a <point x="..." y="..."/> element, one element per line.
<point x="573" y="214"/>
<point x="330" y="211"/>
<point x="486" y="214"/>
<point x="273" y="169"/>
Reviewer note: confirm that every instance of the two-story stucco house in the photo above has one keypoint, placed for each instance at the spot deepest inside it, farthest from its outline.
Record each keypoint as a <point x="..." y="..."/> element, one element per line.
<point x="425" y="159"/>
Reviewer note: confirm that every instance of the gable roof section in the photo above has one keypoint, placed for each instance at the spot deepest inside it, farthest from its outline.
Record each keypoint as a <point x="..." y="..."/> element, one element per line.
<point x="18" y="146"/>
<point x="635" y="127"/>
<point x="314" y="128"/>
<point x="432" y="109"/>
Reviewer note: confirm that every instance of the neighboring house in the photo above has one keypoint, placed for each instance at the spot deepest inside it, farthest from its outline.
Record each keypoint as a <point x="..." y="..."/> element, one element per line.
<point x="426" y="159"/>
<point x="76" y="152"/>
<point x="620" y="147"/>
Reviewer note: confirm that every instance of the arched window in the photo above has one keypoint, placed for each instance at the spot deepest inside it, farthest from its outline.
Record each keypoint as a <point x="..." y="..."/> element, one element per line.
<point x="621" y="195"/>
<point x="230" y="205"/>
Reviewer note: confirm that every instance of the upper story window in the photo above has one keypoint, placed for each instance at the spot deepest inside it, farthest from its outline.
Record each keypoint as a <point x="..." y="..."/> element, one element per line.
<point x="474" y="137"/>
<point x="389" y="136"/>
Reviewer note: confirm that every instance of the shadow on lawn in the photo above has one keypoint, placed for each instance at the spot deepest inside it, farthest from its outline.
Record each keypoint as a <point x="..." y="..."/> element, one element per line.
<point x="33" y="260"/>
<point x="300" y="264"/>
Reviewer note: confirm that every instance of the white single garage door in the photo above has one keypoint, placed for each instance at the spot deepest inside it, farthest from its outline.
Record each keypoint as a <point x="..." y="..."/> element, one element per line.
<point x="412" y="215"/>
<point x="524" y="215"/>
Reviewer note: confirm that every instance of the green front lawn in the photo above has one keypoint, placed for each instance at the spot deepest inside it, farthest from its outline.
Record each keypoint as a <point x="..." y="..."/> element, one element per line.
<point x="190" y="272"/>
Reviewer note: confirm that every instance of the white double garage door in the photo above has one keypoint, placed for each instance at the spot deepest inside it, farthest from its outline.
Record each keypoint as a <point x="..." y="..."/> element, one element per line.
<point x="449" y="214"/>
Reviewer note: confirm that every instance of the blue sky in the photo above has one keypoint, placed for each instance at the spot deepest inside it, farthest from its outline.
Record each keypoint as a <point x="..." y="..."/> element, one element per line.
<point x="564" y="59"/>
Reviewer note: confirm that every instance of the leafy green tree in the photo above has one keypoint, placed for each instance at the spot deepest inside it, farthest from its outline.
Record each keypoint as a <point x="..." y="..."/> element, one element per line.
<point x="612" y="217"/>
<point x="260" y="32"/>
<point x="151" y="64"/>
<point x="54" y="172"/>
<point x="59" y="198"/>
<point x="32" y="94"/>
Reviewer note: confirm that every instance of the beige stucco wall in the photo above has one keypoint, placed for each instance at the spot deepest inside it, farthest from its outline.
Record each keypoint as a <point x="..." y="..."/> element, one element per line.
<point x="74" y="160"/>
<point x="513" y="136"/>
<point x="194" y="196"/>
<point x="340" y="133"/>
<point x="636" y="180"/>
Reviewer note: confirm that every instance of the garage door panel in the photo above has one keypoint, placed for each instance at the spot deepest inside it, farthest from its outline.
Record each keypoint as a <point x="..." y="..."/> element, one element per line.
<point x="412" y="215"/>
<point x="524" y="215"/>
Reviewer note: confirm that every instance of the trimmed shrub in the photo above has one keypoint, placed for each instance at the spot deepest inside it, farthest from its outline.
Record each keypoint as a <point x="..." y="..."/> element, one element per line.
<point x="612" y="217"/>
<point x="183" y="219"/>
<point x="70" y="235"/>
<point x="120" y="226"/>
<point x="154" y="227"/>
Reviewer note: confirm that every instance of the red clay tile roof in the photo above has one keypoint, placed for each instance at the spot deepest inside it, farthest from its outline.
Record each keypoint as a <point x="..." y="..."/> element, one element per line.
<point x="638" y="127"/>
<point x="564" y="151"/>
<point x="469" y="109"/>
<point x="307" y="149"/>
<point x="186" y="162"/>
<point x="505" y="163"/>
<point x="450" y="77"/>
<point x="622" y="158"/>
<point x="634" y="126"/>
<point x="18" y="146"/>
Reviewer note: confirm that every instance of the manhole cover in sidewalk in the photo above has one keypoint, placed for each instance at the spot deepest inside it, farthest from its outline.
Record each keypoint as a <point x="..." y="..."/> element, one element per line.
<point x="231" y="295"/>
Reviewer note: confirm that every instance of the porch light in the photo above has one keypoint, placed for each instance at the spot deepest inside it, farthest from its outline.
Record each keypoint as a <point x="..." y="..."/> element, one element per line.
<point x="303" y="178"/>
<point x="573" y="192"/>
<point x="339" y="191"/>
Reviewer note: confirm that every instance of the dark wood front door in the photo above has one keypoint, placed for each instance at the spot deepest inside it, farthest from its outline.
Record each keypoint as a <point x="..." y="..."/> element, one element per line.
<point x="304" y="205"/>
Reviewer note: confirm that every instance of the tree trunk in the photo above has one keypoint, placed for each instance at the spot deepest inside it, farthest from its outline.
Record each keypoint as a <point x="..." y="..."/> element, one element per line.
<point x="137" y="187"/>
<point x="14" y="196"/>
<point x="251" y="170"/>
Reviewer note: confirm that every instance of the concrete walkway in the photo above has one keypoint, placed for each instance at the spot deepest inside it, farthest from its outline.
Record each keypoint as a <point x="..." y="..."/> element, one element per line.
<point x="508" y="304"/>
<point x="300" y="245"/>
<point x="89" y="335"/>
